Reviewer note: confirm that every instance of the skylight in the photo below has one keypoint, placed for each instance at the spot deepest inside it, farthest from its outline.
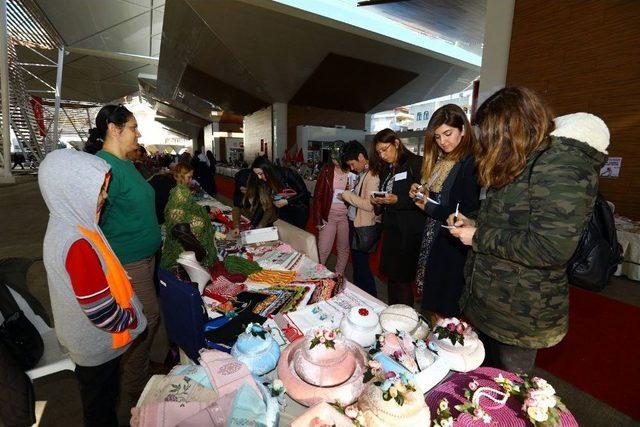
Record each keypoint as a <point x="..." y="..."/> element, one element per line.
<point x="342" y="11"/>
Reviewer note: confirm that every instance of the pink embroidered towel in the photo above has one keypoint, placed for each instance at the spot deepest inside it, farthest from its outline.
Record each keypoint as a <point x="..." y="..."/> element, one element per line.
<point x="225" y="372"/>
<point x="215" y="415"/>
<point x="165" y="414"/>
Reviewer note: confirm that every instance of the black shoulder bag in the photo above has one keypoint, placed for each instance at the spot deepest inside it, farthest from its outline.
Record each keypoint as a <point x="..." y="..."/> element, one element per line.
<point x="17" y="333"/>
<point x="365" y="239"/>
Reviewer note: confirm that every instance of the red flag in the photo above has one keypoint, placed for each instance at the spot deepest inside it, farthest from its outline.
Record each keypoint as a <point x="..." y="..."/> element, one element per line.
<point x="300" y="156"/>
<point x="36" y="105"/>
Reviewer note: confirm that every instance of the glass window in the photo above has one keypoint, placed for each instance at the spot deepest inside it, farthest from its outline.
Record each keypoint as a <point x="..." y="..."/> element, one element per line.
<point x="419" y="116"/>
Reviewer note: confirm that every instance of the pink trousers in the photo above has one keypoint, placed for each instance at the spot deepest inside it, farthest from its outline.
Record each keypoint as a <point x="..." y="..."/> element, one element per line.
<point x="338" y="225"/>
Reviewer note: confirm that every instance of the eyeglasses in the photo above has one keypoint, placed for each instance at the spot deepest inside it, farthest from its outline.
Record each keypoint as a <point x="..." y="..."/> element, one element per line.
<point x="384" y="150"/>
<point x="111" y="118"/>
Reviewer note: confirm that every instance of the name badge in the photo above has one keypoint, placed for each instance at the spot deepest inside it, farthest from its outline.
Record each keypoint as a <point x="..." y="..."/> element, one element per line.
<point x="400" y="176"/>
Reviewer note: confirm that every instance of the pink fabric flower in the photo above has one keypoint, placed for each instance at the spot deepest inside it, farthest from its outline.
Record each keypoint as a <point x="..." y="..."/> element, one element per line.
<point x="390" y="375"/>
<point x="459" y="328"/>
<point x="322" y="340"/>
<point x="451" y="327"/>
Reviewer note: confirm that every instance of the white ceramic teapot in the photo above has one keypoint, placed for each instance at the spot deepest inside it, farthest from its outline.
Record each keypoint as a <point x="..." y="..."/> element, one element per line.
<point x="361" y="325"/>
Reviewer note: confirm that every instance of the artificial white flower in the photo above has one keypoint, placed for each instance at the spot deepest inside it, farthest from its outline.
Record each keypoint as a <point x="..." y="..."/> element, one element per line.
<point x="447" y="422"/>
<point x="443" y="405"/>
<point x="538" y="414"/>
<point x="393" y="391"/>
<point x="486" y="418"/>
<point x="277" y="385"/>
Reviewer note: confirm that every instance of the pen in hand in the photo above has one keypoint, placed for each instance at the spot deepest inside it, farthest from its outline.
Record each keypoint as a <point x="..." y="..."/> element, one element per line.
<point x="455" y="215"/>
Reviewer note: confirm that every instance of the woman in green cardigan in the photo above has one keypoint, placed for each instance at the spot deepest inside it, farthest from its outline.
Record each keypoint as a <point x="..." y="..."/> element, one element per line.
<point x="183" y="209"/>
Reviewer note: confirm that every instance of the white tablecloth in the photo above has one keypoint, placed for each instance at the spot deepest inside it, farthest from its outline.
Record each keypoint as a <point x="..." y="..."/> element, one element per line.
<point x="630" y="241"/>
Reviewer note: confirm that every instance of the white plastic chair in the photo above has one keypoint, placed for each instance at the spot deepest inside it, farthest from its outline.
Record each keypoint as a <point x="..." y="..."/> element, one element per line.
<point x="300" y="240"/>
<point x="54" y="358"/>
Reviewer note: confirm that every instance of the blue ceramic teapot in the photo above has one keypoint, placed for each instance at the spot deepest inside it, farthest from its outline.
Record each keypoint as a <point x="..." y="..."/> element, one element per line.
<point x="257" y="349"/>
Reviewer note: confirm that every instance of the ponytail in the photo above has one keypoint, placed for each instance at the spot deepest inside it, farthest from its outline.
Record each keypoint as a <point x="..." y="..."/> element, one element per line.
<point x="94" y="141"/>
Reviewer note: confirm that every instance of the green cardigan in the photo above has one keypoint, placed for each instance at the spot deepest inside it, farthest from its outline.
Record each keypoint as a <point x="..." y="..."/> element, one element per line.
<point x="182" y="208"/>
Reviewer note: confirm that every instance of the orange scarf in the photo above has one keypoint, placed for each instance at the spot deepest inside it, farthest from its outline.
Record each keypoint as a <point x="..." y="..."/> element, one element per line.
<point x="118" y="281"/>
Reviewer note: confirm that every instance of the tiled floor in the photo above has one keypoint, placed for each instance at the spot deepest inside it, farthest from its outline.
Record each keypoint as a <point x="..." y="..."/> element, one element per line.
<point x="23" y="222"/>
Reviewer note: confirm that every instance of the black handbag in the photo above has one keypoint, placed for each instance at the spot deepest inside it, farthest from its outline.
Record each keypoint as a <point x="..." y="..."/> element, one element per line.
<point x="365" y="239"/>
<point x="21" y="339"/>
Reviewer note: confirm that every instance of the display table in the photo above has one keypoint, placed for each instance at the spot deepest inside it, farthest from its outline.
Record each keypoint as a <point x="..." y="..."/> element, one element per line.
<point x="226" y="171"/>
<point x="325" y="313"/>
<point x="231" y="172"/>
<point x="628" y="232"/>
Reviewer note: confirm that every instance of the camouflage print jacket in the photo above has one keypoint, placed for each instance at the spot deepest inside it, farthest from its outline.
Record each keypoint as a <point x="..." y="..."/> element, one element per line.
<point x="527" y="231"/>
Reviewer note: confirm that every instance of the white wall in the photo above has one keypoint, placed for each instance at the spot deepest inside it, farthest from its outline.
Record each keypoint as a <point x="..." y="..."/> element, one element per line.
<point x="320" y="133"/>
<point x="257" y="126"/>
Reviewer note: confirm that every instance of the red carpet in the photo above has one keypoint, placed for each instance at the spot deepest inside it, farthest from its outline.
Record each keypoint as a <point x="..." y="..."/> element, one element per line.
<point x="601" y="352"/>
<point x="599" y="355"/>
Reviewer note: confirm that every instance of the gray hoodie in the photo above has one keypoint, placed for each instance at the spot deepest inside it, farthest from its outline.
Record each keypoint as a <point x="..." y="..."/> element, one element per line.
<point x="70" y="182"/>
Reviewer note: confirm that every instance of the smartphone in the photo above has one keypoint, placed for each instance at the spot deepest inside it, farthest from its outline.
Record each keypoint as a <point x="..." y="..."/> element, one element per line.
<point x="379" y="194"/>
<point x="420" y="196"/>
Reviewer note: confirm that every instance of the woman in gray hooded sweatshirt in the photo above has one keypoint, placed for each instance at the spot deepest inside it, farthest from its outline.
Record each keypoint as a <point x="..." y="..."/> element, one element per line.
<point x="95" y="310"/>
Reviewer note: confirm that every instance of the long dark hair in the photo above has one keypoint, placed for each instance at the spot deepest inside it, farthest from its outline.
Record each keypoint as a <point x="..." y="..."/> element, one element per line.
<point x="450" y="115"/>
<point x="270" y="173"/>
<point x="386" y="136"/>
<point x="116" y="114"/>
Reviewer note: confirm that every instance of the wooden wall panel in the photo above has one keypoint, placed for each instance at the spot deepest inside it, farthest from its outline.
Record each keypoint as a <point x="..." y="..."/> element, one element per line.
<point x="584" y="55"/>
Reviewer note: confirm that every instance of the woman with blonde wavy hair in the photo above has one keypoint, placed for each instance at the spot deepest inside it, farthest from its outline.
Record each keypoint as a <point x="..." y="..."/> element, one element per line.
<point x="448" y="182"/>
<point x="541" y="176"/>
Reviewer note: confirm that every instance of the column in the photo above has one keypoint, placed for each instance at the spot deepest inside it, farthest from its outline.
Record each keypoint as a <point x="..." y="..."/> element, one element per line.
<point x="495" y="52"/>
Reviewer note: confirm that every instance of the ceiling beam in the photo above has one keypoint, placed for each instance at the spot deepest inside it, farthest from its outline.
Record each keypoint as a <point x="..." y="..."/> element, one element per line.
<point x="141" y="59"/>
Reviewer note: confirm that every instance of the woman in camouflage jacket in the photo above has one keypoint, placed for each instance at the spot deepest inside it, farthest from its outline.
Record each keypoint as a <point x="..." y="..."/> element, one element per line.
<point x="542" y="181"/>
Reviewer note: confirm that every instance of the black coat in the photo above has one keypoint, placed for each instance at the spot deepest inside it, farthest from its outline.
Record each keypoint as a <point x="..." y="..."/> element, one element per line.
<point x="444" y="277"/>
<point x="296" y="211"/>
<point x="402" y="224"/>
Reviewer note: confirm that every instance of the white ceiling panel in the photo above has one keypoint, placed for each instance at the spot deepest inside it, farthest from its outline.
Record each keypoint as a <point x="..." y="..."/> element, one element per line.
<point x="125" y="26"/>
<point x="77" y="20"/>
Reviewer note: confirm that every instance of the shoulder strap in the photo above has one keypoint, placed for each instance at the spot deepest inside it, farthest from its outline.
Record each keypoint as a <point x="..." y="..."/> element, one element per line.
<point x="361" y="185"/>
<point x="8" y="304"/>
